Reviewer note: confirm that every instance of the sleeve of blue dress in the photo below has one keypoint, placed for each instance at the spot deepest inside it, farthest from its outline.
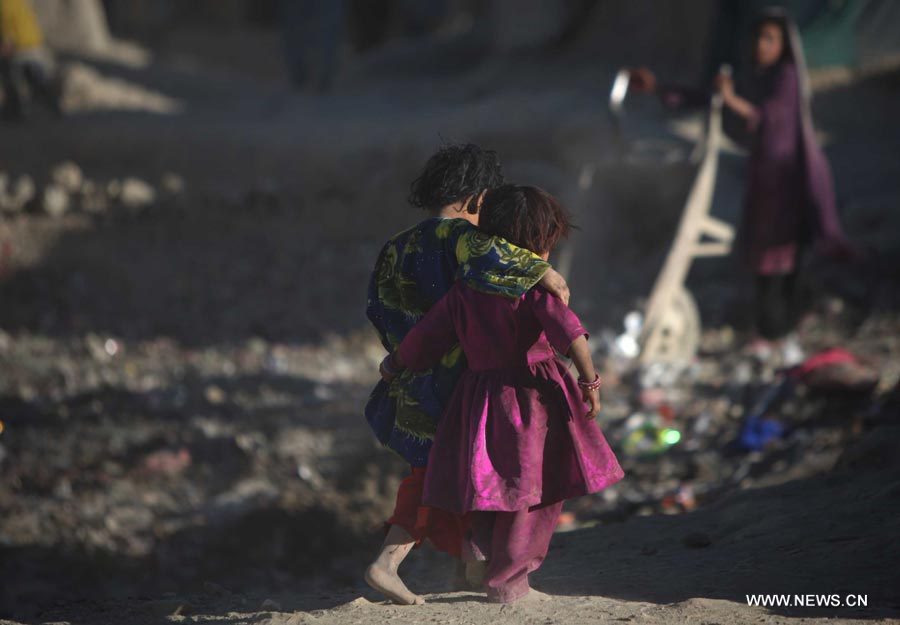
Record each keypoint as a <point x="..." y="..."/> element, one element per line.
<point x="374" y="303"/>
<point x="430" y="338"/>
<point x="561" y="325"/>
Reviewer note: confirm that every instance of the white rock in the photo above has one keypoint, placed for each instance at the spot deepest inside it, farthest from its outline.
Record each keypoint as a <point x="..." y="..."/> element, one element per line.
<point x="136" y="193"/>
<point x="68" y="175"/>
<point x="55" y="201"/>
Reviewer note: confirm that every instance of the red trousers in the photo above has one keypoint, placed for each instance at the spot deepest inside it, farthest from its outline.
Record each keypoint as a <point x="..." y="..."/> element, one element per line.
<point x="445" y="530"/>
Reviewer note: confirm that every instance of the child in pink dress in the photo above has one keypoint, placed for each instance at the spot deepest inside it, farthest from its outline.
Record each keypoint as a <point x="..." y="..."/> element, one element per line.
<point x="518" y="436"/>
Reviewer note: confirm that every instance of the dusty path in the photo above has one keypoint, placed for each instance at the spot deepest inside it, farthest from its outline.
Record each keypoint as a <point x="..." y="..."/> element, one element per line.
<point x="834" y="534"/>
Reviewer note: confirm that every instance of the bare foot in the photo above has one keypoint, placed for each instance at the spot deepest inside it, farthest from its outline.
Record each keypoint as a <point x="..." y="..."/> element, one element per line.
<point x="390" y="585"/>
<point x="534" y="596"/>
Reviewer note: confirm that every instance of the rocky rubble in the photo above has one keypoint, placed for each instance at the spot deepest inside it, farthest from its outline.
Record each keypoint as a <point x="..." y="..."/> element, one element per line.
<point x="681" y="432"/>
<point x="165" y="467"/>
<point x="70" y="190"/>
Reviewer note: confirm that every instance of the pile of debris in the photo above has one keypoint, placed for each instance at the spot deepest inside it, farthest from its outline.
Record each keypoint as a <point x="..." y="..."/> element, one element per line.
<point x="69" y="190"/>
<point x="738" y="416"/>
<point x="161" y="467"/>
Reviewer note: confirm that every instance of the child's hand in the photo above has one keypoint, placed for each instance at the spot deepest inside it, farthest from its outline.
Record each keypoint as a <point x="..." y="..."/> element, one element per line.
<point x="387" y="369"/>
<point x="642" y="80"/>
<point x="592" y="398"/>
<point x="556" y="284"/>
<point x="725" y="85"/>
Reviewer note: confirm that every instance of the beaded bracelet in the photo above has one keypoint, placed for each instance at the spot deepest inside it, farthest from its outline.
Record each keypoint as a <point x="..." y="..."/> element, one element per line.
<point x="387" y="365"/>
<point x="590" y="386"/>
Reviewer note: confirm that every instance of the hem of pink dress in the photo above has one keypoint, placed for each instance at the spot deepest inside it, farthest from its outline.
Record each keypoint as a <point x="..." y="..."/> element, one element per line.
<point x="485" y="505"/>
<point x="496" y="596"/>
<point x="607" y="480"/>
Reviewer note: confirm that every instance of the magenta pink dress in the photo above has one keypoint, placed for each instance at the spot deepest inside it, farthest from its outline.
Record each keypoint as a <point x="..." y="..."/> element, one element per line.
<point x="515" y="433"/>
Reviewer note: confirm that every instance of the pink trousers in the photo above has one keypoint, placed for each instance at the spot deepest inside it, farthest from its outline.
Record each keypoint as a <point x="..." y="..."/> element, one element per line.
<point x="514" y="543"/>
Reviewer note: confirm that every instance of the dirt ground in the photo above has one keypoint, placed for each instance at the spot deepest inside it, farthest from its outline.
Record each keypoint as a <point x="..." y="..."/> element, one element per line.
<point x="829" y="535"/>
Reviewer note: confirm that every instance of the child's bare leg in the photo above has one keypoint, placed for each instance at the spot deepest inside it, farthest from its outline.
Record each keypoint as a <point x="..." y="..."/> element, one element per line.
<point x="382" y="573"/>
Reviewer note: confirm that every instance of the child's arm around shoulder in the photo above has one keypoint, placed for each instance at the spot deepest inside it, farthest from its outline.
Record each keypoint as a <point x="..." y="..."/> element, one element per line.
<point x="494" y="265"/>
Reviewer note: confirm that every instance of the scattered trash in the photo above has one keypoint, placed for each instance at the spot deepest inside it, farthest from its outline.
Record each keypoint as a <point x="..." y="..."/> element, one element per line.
<point x="758" y="430"/>
<point x="792" y="353"/>
<point x="167" y="462"/>
<point x="837" y="370"/>
<point x="685" y="497"/>
<point x="626" y="346"/>
<point x="646" y="434"/>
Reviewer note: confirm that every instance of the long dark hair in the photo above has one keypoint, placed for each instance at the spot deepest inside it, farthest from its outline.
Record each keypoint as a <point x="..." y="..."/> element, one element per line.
<point x="792" y="45"/>
<point x="775" y="18"/>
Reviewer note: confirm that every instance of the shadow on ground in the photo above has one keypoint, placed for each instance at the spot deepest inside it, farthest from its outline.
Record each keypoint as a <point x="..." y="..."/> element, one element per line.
<point x="826" y="535"/>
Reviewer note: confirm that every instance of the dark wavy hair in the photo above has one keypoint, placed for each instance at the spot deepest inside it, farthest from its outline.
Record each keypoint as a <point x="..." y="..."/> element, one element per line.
<point x="525" y="216"/>
<point x="454" y="173"/>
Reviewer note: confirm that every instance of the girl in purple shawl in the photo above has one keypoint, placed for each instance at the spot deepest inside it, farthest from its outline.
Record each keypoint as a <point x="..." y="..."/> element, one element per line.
<point x="790" y="200"/>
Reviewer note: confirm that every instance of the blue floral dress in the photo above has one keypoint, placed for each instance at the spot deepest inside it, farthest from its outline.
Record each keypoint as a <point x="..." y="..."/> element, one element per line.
<point x="415" y="269"/>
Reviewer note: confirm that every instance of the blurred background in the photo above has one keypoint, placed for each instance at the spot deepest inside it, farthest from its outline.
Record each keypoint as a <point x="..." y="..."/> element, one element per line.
<point x="191" y="202"/>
